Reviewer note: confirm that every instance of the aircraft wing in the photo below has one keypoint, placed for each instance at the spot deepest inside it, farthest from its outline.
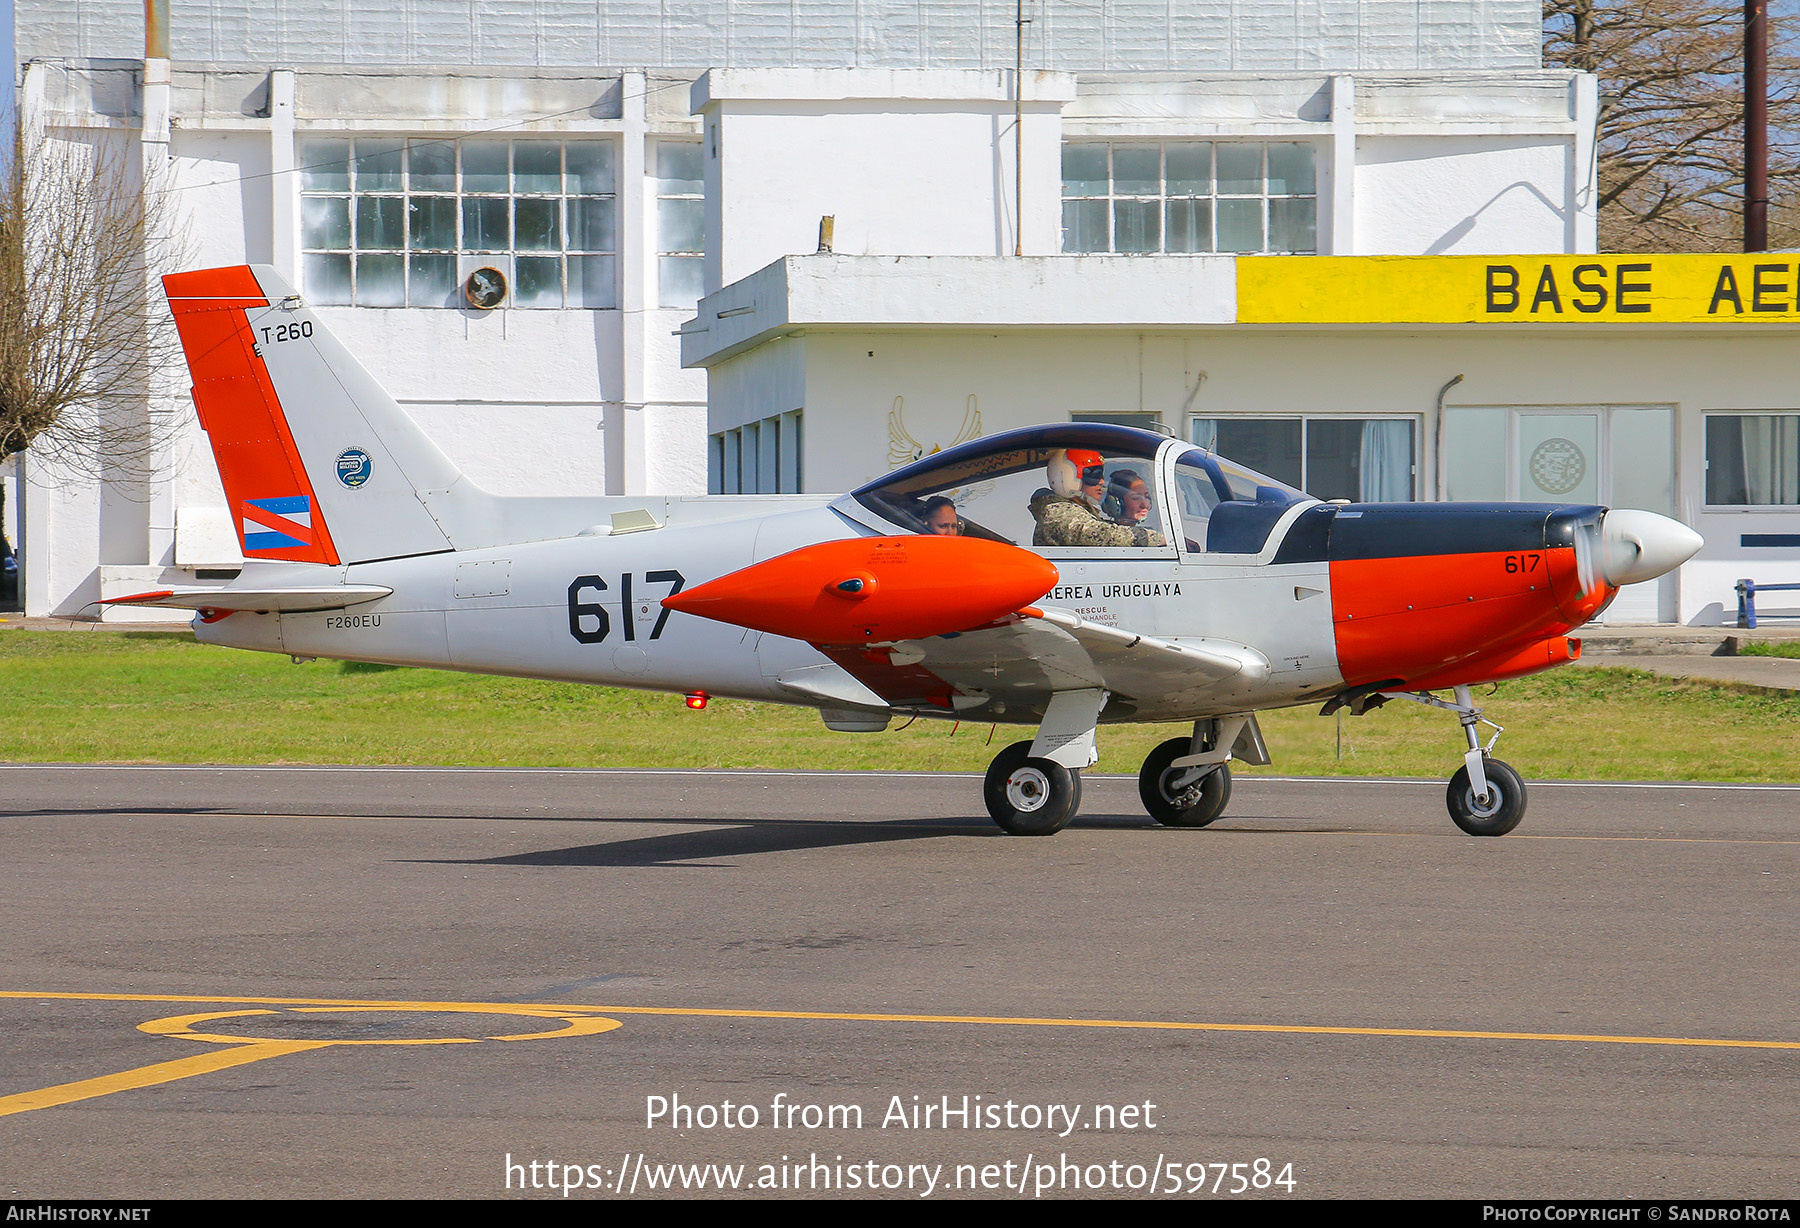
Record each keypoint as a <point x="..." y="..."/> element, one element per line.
<point x="285" y="600"/>
<point x="1023" y="659"/>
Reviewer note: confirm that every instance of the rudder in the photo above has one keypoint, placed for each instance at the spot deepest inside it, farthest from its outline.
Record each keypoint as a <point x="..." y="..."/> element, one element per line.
<point x="319" y="464"/>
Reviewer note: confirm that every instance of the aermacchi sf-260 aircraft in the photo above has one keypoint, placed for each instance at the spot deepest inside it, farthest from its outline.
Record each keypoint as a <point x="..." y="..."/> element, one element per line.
<point x="1059" y="576"/>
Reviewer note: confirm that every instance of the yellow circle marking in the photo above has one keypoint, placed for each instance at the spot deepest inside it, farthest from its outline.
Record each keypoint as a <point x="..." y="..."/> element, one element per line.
<point x="182" y="1026"/>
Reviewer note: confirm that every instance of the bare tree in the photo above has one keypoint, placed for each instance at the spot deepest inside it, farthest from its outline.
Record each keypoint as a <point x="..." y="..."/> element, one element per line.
<point x="83" y="325"/>
<point x="1670" y="141"/>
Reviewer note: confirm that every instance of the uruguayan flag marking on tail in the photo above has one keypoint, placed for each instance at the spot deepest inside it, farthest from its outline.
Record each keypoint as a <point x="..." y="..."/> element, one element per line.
<point x="269" y="524"/>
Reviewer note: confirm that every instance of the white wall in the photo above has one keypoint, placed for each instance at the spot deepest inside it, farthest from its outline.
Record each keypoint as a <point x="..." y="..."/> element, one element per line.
<point x="907" y="163"/>
<point x="1425" y="195"/>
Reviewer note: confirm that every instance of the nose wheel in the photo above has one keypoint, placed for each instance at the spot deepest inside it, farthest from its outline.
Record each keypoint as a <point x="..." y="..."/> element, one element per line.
<point x="1492" y="812"/>
<point x="1028" y="796"/>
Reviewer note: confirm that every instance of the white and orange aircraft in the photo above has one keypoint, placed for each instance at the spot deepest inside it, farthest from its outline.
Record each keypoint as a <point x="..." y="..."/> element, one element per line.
<point x="1061" y="577"/>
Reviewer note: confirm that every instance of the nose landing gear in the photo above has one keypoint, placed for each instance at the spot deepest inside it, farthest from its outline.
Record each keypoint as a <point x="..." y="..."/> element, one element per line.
<point x="1486" y="797"/>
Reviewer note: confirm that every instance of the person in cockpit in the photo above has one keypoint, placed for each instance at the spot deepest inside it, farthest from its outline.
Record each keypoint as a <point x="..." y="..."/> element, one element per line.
<point x="941" y="519"/>
<point x="1068" y="513"/>
<point x="1127" y="502"/>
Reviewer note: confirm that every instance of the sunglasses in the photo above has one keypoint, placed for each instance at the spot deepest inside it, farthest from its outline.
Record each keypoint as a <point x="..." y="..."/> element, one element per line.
<point x="1093" y="475"/>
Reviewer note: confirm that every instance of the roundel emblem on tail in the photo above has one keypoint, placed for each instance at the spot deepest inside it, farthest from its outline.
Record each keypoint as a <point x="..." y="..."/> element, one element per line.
<point x="353" y="466"/>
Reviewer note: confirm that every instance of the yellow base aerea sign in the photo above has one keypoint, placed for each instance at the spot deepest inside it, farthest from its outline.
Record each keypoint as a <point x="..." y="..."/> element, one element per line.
<point x="1758" y="287"/>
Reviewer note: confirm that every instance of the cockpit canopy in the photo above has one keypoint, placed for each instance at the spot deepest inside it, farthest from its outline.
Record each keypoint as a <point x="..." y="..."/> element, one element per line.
<point x="1084" y="486"/>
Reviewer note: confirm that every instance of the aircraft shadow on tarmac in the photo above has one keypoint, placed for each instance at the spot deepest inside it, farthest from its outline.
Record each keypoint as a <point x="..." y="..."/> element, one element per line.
<point x="736" y="838"/>
<point x="724" y="839"/>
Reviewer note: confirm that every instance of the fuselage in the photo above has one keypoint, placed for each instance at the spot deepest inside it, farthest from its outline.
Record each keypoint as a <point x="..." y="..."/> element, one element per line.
<point x="1409" y="595"/>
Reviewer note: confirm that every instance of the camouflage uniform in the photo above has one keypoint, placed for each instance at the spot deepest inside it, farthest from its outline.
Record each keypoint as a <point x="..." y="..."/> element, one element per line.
<point x="1076" y="522"/>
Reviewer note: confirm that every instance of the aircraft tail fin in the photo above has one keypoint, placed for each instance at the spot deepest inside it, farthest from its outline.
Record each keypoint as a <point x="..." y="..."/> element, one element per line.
<point x="319" y="464"/>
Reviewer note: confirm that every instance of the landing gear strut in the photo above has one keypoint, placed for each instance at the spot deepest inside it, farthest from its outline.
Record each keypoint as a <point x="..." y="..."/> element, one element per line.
<point x="1486" y="797"/>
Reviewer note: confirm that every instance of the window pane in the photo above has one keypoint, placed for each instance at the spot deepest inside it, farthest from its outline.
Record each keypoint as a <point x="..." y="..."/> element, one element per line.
<point x="431" y="165"/>
<point x="378" y="165"/>
<point x="1292" y="225"/>
<point x="1084" y="226"/>
<point x="484" y="166"/>
<point x="1137" y="226"/>
<point x="1334" y="458"/>
<point x="679" y="168"/>
<point x="433" y="220"/>
<point x="537" y="167"/>
<point x="1241" y="228"/>
<point x="590" y="225"/>
<point x="1271" y="445"/>
<point x="1291" y="170"/>
<point x="1475" y="454"/>
<point x="325" y="222"/>
<point x="1189" y="226"/>
<point x="484" y="223"/>
<point x="1240" y="170"/>
<point x="325" y="166"/>
<point x="680" y="226"/>
<point x="538" y="225"/>
<point x="679" y="280"/>
<point x="1643" y="459"/>
<point x="1190" y="169"/>
<point x="380" y="281"/>
<point x="380" y="222"/>
<point x="591" y="281"/>
<point x="1084" y="170"/>
<point x="328" y="280"/>
<point x="590" y="167"/>
<point x="433" y="280"/>
<point x="1137" y="170"/>
<point x="1753" y="459"/>
<point x="1384" y="460"/>
<point x="537" y="281"/>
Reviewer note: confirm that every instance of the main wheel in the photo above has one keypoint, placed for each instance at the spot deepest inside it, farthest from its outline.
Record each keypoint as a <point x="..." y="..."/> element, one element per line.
<point x="1497" y="813"/>
<point x="1030" y="797"/>
<point x="1193" y="805"/>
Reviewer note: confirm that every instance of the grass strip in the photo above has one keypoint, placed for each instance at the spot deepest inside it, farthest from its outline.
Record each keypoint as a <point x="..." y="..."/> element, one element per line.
<point x="160" y="697"/>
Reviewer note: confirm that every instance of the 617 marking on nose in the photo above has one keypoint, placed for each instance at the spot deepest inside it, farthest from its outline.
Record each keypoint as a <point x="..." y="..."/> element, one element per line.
<point x="1516" y="563"/>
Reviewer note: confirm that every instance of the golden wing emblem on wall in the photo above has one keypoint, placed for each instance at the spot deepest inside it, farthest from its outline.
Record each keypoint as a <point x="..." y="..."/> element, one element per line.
<point x="903" y="449"/>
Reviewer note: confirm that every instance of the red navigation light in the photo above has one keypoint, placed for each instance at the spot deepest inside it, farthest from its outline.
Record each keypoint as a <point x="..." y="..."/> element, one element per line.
<point x="697" y="699"/>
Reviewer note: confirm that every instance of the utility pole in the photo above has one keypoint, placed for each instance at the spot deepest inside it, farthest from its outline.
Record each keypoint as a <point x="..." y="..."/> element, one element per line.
<point x="1756" y="125"/>
<point x="1019" y="23"/>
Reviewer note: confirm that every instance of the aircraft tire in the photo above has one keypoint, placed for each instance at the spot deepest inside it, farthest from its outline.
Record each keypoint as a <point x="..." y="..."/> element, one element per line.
<point x="1197" y="807"/>
<point x="1504" y="807"/>
<point x="1030" y="797"/>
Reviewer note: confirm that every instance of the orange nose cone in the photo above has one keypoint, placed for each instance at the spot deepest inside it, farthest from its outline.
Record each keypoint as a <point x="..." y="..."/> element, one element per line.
<point x="871" y="589"/>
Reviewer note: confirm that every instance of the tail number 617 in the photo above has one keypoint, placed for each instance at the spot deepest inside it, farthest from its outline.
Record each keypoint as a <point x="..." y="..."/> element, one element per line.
<point x="590" y="622"/>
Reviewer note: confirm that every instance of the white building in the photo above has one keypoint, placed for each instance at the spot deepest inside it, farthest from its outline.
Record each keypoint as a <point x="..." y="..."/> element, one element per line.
<point x="1006" y="247"/>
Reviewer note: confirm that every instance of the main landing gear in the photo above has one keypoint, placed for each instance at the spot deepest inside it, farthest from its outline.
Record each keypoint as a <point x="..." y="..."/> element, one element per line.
<point x="1186" y="782"/>
<point x="1486" y="797"/>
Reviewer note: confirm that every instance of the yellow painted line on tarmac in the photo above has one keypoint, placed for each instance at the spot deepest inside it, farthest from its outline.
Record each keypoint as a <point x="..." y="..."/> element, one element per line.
<point x="245" y="1049"/>
<point x="150" y="1076"/>
<point x="1175" y="1025"/>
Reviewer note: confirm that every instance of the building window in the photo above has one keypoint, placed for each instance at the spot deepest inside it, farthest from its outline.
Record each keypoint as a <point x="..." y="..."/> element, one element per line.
<point x="1364" y="460"/>
<point x="1189" y="196"/>
<point x="758" y="458"/>
<point x="1753" y="460"/>
<point x="680" y="223"/>
<point x="391" y="222"/>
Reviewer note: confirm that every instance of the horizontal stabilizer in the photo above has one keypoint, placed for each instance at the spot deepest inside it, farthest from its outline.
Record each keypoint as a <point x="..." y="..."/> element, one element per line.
<point x="262" y="600"/>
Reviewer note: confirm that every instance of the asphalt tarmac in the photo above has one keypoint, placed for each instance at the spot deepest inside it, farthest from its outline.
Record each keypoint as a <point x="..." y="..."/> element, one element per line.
<point x="352" y="982"/>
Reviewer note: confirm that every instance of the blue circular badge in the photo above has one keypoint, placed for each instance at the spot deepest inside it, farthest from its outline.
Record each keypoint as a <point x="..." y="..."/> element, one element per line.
<point x="353" y="467"/>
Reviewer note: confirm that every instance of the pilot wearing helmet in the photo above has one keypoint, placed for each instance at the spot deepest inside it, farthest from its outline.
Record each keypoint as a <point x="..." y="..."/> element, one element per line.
<point x="1068" y="514"/>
